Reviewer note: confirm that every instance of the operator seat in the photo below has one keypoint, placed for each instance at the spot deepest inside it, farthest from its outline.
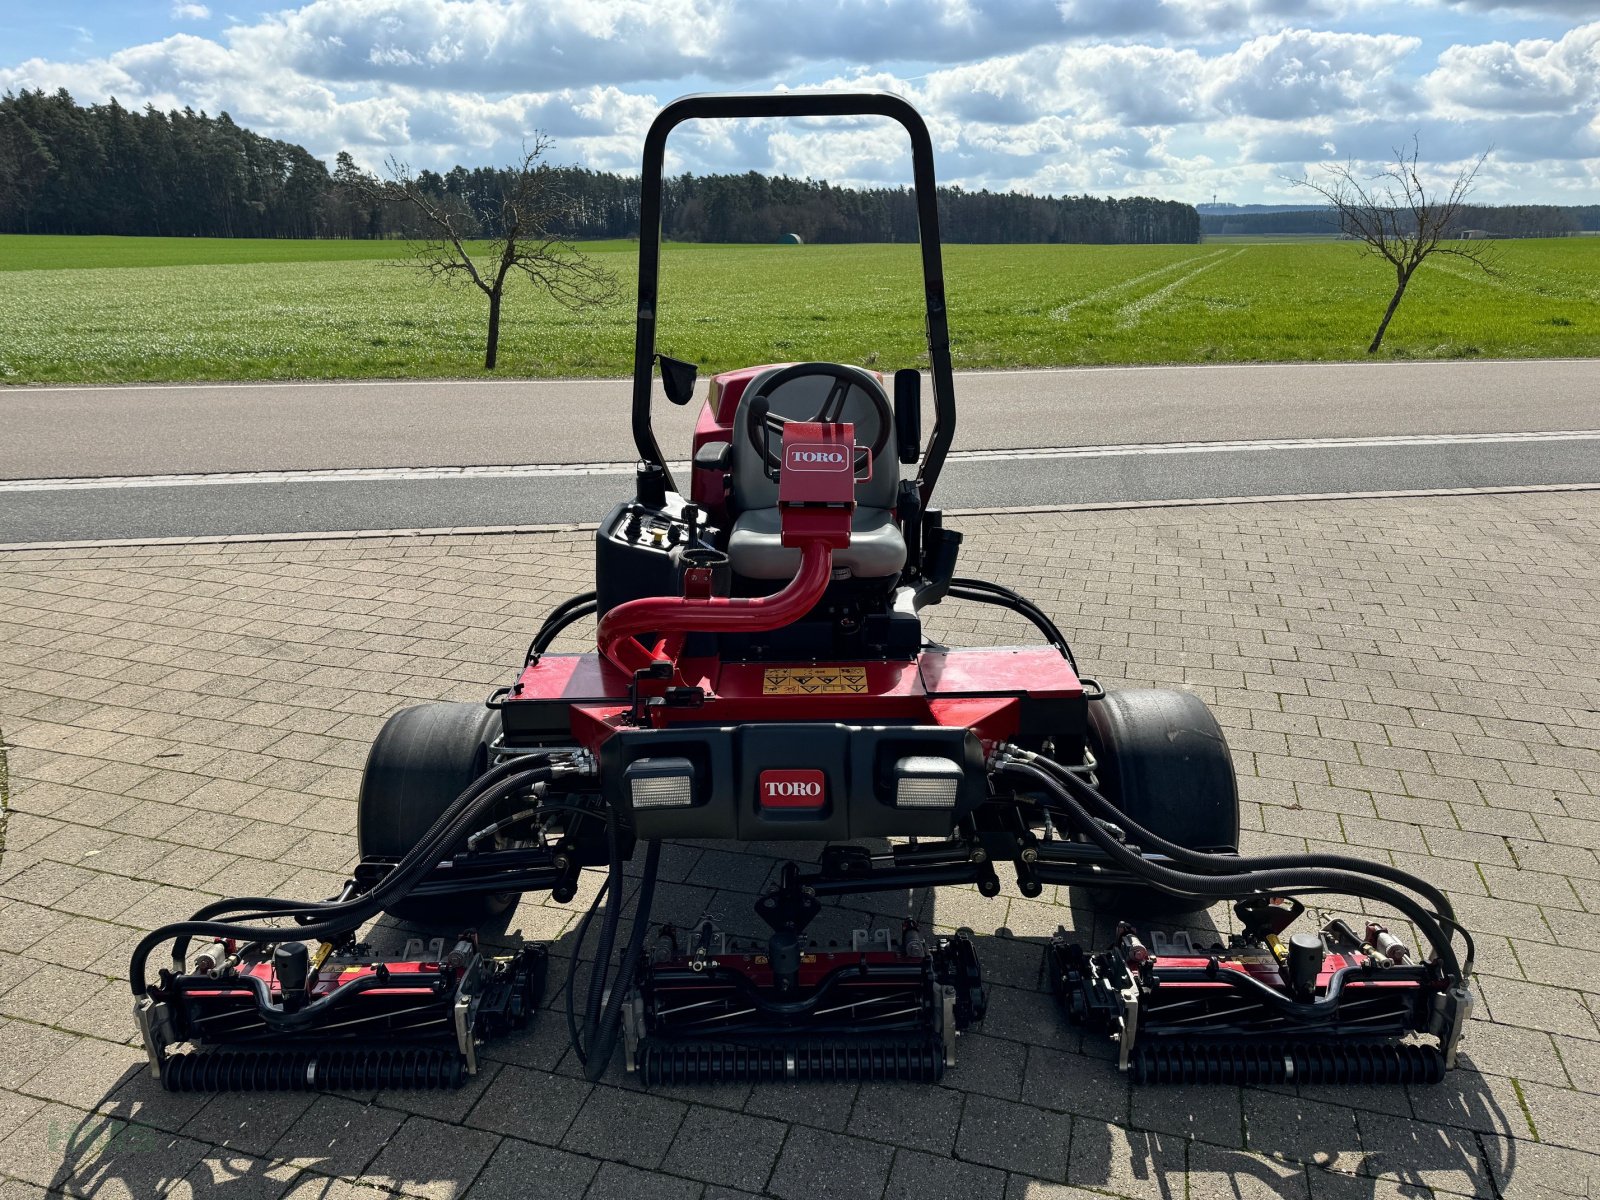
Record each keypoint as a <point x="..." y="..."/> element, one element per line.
<point x="755" y="547"/>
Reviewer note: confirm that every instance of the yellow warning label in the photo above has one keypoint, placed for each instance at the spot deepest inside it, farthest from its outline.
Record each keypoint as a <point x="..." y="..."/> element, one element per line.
<point x="814" y="681"/>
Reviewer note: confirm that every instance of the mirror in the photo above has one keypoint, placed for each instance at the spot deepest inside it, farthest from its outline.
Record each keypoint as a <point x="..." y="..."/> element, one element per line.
<point x="677" y="379"/>
<point x="908" y="413"/>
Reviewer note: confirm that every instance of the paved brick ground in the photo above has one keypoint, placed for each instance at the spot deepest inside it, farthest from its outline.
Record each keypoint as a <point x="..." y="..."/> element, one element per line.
<point x="1408" y="679"/>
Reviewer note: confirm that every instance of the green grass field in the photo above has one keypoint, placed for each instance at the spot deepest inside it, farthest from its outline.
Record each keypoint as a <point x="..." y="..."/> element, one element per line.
<point x="146" y="309"/>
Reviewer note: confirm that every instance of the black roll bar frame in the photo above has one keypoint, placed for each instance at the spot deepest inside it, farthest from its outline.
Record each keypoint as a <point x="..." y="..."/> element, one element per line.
<point x="733" y="106"/>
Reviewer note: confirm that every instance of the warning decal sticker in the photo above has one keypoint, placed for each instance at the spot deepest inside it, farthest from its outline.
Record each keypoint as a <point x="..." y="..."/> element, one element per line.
<point x="814" y="681"/>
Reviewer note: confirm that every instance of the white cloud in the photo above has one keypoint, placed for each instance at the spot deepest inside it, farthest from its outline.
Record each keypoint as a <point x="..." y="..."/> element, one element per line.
<point x="190" y="12"/>
<point x="1177" y="97"/>
<point x="1529" y="77"/>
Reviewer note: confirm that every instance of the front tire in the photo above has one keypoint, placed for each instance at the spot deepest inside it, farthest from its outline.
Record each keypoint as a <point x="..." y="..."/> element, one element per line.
<point x="421" y="760"/>
<point x="1161" y="758"/>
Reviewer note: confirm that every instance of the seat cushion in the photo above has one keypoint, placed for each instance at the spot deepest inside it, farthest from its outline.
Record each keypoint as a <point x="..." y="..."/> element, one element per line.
<point x="756" y="549"/>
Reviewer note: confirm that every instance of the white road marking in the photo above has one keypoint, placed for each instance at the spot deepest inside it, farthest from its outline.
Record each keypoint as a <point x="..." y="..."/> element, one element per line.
<point x="570" y="470"/>
<point x="1327" y="443"/>
<point x="233" y="539"/>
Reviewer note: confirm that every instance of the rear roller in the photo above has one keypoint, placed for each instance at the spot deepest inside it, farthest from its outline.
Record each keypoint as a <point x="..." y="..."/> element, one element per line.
<point x="1240" y="1062"/>
<point x="314" y="1071"/>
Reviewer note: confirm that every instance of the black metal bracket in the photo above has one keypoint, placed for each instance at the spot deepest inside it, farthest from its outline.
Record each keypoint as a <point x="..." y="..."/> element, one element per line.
<point x="791" y="906"/>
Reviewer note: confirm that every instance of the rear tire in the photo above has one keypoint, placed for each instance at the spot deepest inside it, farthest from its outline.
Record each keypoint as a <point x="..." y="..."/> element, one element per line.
<point x="1161" y="758"/>
<point x="421" y="760"/>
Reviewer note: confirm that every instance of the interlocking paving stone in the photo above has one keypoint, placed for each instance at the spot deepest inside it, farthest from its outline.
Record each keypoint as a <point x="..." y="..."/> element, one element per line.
<point x="224" y="1175"/>
<point x="725" y="1148"/>
<point x="1015" y="1137"/>
<point x="617" y="1182"/>
<point x="429" y="1158"/>
<point x="816" y="1165"/>
<point x="336" y="1136"/>
<point x="1409" y="679"/>
<point x="1128" y="1162"/>
<point x="529" y="1104"/>
<point x="881" y="1113"/>
<point x="825" y="1105"/>
<point x="1236" y="1175"/>
<point x="520" y="1169"/>
<point x="628" y="1127"/>
<point x="917" y="1176"/>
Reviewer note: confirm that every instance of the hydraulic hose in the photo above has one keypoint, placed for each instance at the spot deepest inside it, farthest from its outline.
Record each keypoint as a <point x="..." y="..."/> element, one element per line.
<point x="325" y="919"/>
<point x="568" y="612"/>
<point x="1225" y="887"/>
<point x="608" y="936"/>
<point x="572" y="970"/>
<point x="266" y="906"/>
<point x="982" y="591"/>
<point x="600" y="1050"/>
<point x="1232" y="864"/>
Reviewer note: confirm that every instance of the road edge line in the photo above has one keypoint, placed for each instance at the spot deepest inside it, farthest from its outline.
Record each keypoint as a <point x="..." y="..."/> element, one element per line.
<point x="347" y="535"/>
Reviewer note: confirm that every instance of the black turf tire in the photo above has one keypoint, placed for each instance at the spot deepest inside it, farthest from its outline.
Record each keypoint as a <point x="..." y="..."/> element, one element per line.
<point x="1161" y="758"/>
<point x="421" y="760"/>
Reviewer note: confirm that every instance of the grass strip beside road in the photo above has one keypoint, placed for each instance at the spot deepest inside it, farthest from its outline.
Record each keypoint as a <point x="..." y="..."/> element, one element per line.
<point x="113" y="310"/>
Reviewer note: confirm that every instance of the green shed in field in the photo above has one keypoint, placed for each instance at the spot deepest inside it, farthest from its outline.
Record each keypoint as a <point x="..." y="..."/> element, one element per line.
<point x="791" y="239"/>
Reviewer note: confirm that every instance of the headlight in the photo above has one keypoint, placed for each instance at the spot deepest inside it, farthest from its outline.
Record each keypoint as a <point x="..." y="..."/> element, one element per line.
<point x="660" y="782"/>
<point x="923" y="781"/>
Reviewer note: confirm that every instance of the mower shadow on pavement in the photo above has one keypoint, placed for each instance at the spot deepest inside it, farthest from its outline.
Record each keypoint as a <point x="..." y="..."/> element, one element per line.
<point x="1038" y="1097"/>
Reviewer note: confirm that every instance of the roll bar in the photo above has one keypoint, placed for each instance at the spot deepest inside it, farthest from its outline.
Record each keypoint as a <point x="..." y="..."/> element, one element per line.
<point x="729" y="106"/>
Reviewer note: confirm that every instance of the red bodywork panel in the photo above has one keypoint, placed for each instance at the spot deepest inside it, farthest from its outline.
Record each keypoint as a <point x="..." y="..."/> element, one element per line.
<point x="1266" y="969"/>
<point x="426" y="976"/>
<point x="965" y="689"/>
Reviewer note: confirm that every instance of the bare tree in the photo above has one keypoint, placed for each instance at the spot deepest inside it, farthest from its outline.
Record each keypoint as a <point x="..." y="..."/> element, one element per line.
<point x="1399" y="220"/>
<point x="482" y="240"/>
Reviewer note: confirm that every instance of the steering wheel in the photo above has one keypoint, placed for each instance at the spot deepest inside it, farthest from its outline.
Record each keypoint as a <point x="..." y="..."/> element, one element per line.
<point x="765" y="428"/>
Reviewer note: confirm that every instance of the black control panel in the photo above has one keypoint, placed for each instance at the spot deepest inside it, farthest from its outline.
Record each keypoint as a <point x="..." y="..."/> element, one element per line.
<point x="639" y="549"/>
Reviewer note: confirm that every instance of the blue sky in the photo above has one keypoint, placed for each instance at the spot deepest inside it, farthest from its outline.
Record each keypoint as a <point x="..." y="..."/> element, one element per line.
<point x="1183" y="99"/>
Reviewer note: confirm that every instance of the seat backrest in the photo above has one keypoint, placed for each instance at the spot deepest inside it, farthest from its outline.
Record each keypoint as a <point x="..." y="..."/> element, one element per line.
<point x="799" y="399"/>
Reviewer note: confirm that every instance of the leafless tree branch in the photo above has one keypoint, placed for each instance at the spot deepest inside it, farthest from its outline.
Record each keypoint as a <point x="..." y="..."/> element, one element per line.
<point x="1395" y="217"/>
<point x="483" y="240"/>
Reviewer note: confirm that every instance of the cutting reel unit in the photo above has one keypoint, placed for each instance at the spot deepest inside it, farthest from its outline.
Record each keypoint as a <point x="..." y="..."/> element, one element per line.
<point x="335" y="1019"/>
<point x="1327" y="1007"/>
<point x="708" y="1008"/>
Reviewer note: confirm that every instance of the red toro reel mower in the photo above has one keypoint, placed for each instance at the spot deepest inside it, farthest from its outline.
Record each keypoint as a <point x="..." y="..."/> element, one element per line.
<point x="761" y="673"/>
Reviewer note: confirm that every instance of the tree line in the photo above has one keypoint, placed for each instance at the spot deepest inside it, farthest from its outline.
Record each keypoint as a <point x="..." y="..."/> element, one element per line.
<point x="1500" y="220"/>
<point x="104" y="169"/>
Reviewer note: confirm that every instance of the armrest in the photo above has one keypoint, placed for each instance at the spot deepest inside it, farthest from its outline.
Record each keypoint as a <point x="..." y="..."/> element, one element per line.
<point x="713" y="456"/>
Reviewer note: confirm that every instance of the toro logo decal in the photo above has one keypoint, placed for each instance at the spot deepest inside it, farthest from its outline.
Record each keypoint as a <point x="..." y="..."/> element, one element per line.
<point x="793" y="789"/>
<point x="816" y="456"/>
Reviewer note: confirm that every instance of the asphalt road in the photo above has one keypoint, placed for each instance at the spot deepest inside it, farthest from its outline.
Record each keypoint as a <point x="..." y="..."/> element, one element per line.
<point x="369" y="456"/>
<point x="154" y="430"/>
